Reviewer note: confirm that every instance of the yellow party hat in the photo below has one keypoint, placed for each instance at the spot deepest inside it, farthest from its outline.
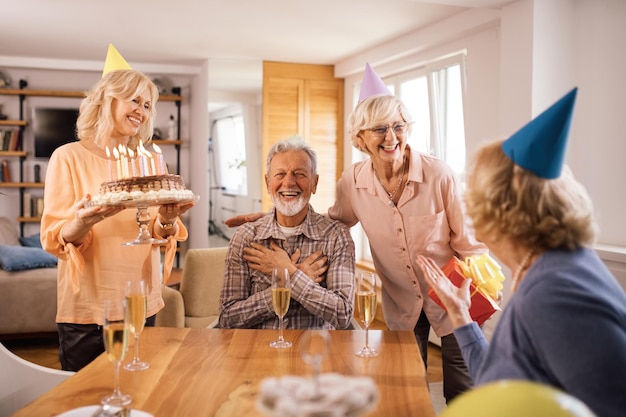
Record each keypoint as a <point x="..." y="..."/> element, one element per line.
<point x="114" y="61"/>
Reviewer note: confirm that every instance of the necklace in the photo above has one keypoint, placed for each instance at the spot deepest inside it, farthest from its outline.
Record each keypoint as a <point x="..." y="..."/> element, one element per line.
<point x="522" y="267"/>
<point x="392" y="195"/>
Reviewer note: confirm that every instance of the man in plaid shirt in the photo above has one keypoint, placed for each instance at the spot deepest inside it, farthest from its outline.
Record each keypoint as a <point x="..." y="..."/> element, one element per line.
<point x="318" y="253"/>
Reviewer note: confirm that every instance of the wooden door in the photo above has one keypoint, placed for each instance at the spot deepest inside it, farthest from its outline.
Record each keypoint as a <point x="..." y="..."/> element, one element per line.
<point x="305" y="100"/>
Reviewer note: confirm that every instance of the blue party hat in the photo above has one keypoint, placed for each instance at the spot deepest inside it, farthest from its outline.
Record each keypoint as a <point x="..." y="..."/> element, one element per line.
<point x="372" y="84"/>
<point x="540" y="145"/>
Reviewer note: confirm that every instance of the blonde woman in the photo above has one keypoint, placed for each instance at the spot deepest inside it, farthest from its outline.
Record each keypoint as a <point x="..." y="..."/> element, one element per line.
<point x="93" y="264"/>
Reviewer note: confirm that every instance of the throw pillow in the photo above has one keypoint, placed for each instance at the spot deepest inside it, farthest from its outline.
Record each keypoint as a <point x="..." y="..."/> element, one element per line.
<point x="20" y="258"/>
<point x="33" y="241"/>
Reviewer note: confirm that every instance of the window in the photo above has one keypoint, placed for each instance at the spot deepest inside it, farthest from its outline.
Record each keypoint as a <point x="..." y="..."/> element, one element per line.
<point x="232" y="154"/>
<point x="434" y="96"/>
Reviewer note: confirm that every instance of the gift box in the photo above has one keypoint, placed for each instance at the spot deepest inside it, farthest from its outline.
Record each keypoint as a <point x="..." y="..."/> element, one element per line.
<point x="485" y="278"/>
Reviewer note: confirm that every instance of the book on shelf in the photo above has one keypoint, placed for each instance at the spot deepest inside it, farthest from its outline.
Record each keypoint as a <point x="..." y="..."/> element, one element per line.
<point x="15" y="142"/>
<point x="27" y="205"/>
<point x="6" y="174"/>
<point x="11" y="140"/>
<point x="6" y="139"/>
<point x="38" y="206"/>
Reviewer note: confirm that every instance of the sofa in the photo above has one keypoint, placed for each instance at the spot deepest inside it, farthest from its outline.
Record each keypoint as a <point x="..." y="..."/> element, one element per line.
<point x="28" y="291"/>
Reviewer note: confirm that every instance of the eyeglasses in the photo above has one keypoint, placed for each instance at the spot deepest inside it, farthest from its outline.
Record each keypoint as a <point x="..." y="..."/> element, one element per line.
<point x="398" y="129"/>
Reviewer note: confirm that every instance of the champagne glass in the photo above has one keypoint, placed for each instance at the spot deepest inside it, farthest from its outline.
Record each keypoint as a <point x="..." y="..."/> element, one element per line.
<point x="314" y="348"/>
<point x="136" y="301"/>
<point x="115" y="334"/>
<point x="366" y="308"/>
<point x="281" y="296"/>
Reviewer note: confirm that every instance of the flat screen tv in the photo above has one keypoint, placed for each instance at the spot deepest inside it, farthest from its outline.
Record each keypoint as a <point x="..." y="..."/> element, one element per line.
<point x="53" y="127"/>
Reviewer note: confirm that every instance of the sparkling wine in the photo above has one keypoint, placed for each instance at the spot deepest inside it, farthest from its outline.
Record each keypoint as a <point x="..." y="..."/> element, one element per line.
<point x="115" y="341"/>
<point x="137" y="309"/>
<point x="366" y="305"/>
<point x="280" y="300"/>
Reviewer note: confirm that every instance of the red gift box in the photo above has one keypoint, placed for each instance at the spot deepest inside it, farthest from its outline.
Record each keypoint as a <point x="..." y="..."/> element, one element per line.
<point x="482" y="307"/>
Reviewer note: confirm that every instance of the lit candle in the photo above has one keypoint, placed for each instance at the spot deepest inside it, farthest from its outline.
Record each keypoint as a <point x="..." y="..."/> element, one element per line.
<point x="106" y="149"/>
<point x="124" y="157"/>
<point x="161" y="159"/>
<point x="141" y="152"/>
<point x="152" y="163"/>
<point x="144" y="162"/>
<point x="117" y="163"/>
<point x="119" y="152"/>
<point x="131" y="157"/>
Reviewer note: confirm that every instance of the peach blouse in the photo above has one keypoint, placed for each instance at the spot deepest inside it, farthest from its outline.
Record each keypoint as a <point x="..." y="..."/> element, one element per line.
<point x="97" y="269"/>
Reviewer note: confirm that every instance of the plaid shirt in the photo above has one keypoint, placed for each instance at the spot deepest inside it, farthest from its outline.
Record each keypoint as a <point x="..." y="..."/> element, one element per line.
<point x="246" y="297"/>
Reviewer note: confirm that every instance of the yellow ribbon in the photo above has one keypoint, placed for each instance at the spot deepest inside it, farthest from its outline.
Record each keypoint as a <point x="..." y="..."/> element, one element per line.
<point x="485" y="274"/>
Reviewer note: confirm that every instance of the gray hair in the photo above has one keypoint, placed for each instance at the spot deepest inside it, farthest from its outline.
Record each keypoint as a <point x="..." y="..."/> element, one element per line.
<point x="294" y="143"/>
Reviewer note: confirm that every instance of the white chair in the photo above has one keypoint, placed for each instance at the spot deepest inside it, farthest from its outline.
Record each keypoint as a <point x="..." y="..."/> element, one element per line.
<point x="21" y="381"/>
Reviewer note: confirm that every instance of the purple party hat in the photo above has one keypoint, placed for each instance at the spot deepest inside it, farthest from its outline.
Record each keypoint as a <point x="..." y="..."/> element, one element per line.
<point x="372" y="84"/>
<point x="540" y="145"/>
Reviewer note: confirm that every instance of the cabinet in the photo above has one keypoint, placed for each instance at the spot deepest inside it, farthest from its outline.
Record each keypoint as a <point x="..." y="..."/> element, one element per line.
<point x="20" y="156"/>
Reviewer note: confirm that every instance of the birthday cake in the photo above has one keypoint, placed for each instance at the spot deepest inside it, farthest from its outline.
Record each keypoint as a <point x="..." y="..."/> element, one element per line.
<point x="153" y="189"/>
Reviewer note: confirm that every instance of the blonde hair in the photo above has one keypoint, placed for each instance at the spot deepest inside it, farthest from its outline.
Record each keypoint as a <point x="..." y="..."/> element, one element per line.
<point x="95" y="119"/>
<point x="505" y="200"/>
<point x="375" y="111"/>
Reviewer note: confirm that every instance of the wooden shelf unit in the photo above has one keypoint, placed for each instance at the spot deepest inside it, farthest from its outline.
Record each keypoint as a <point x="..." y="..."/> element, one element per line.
<point x="13" y="123"/>
<point x="13" y="153"/>
<point x="67" y="94"/>
<point x="33" y="219"/>
<point x="22" y="184"/>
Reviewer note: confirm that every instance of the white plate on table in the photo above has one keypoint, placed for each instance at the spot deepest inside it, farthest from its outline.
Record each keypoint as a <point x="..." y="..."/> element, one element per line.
<point x="89" y="411"/>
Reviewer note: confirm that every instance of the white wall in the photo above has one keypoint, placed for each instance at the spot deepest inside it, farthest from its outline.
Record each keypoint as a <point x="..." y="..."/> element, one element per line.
<point x="197" y="159"/>
<point x="599" y="145"/>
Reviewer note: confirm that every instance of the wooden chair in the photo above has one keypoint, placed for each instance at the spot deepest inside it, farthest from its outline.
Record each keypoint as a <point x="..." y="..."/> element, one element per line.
<point x="22" y="381"/>
<point x="197" y="303"/>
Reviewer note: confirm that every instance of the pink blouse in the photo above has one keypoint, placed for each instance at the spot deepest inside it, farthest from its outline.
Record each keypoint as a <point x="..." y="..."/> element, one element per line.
<point x="429" y="220"/>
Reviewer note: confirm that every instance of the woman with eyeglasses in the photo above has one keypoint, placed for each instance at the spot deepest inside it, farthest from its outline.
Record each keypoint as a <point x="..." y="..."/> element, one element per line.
<point x="408" y="203"/>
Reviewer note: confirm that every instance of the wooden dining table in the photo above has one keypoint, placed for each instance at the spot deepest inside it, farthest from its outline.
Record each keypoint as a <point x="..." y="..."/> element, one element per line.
<point x="217" y="372"/>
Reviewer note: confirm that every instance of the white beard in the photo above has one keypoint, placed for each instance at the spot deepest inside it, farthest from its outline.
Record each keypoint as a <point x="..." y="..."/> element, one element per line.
<point x="290" y="208"/>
